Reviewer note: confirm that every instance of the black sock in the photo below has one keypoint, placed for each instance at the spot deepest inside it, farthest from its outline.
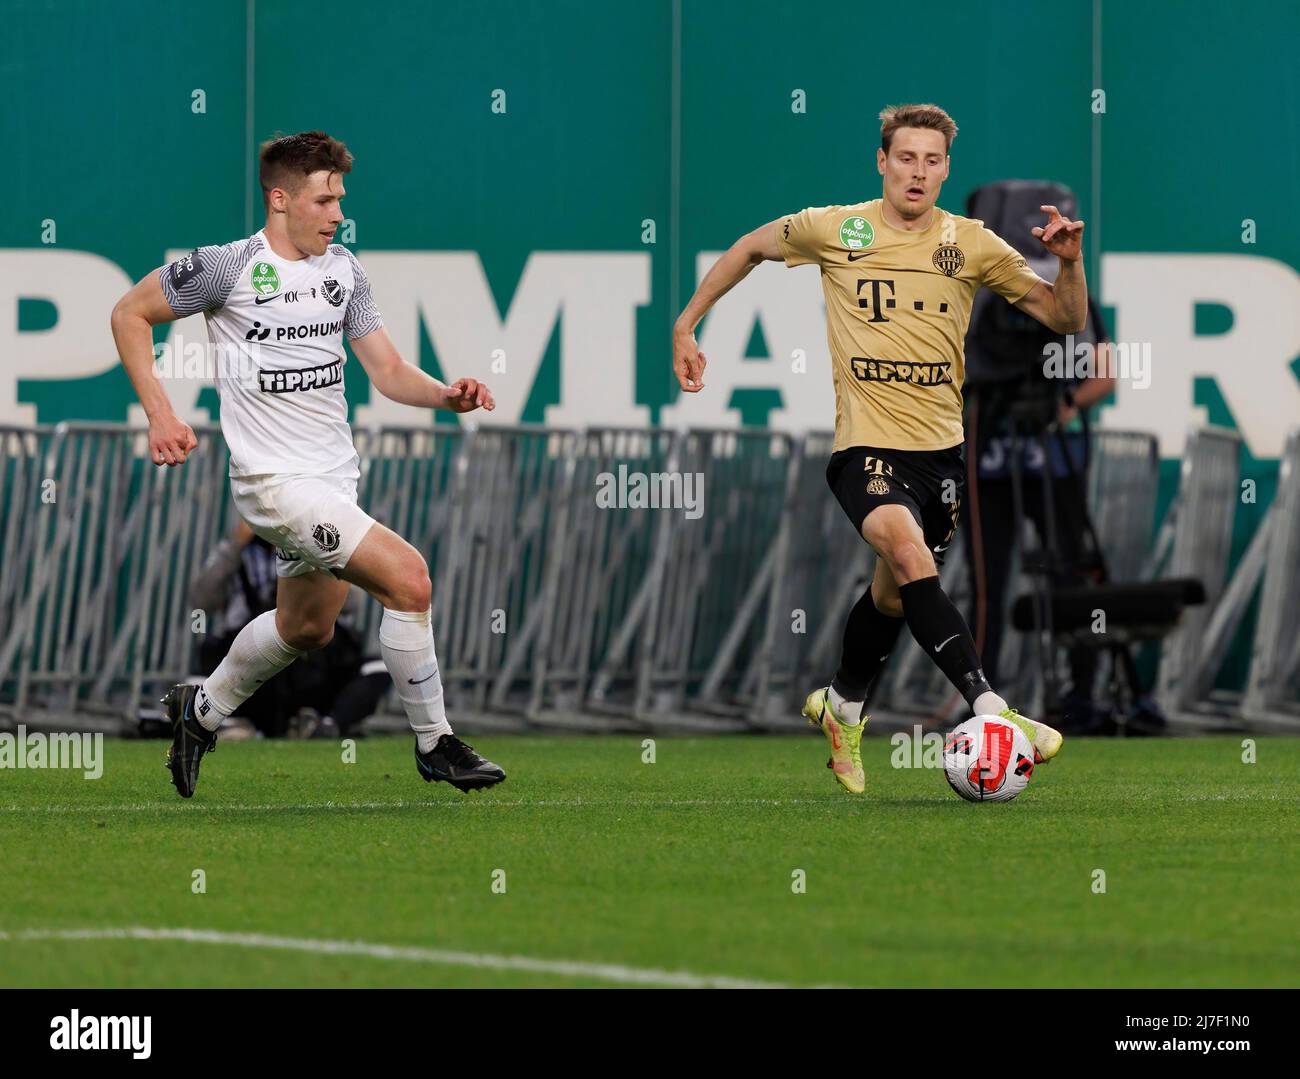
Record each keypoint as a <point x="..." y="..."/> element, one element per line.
<point x="869" y="637"/>
<point x="942" y="633"/>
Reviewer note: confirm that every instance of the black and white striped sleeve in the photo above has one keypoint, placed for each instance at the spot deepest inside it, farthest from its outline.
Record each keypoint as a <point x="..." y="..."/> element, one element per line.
<point x="201" y="280"/>
<point x="362" y="316"/>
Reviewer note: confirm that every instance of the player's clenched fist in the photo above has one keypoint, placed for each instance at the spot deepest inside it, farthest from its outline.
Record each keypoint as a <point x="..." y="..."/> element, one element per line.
<point x="467" y="394"/>
<point x="170" y="441"/>
<point x="688" y="362"/>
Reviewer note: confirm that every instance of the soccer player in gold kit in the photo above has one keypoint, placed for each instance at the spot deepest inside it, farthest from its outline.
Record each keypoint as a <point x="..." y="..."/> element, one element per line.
<point x="899" y="275"/>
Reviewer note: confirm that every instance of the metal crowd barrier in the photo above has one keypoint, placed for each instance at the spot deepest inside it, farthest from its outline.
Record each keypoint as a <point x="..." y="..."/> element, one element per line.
<point x="1203" y="515"/>
<point x="1124" y="476"/>
<point x="552" y="607"/>
<point x="99" y="548"/>
<point x="1272" y="697"/>
<point x="547" y="595"/>
<point x="22" y="453"/>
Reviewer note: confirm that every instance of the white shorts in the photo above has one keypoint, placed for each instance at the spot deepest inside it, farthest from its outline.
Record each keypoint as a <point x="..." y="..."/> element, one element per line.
<point x="314" y="522"/>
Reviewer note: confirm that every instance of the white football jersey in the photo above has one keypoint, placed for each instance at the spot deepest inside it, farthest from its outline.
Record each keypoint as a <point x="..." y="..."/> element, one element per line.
<point x="277" y="328"/>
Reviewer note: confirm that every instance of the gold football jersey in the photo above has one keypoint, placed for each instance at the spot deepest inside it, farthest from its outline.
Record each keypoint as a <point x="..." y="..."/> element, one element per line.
<point x="897" y="307"/>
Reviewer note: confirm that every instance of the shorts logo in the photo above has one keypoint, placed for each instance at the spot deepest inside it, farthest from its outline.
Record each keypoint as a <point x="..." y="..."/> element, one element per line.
<point x="948" y="259"/>
<point x="856" y="233"/>
<point x="954" y="512"/>
<point x="266" y="281"/>
<point x="877" y="486"/>
<point x="326" y="537"/>
<point x="918" y="374"/>
<point x="334" y="292"/>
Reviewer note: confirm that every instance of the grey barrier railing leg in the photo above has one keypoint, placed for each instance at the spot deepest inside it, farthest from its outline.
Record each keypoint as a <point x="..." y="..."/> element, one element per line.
<point x="1202" y="540"/>
<point x="780" y="551"/>
<point x="641" y="613"/>
<point x="1272" y="697"/>
<point x="23" y="639"/>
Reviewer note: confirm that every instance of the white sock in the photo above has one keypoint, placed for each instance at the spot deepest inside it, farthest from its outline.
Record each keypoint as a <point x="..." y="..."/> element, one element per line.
<point x="847" y="712"/>
<point x="988" y="704"/>
<point x="406" y="640"/>
<point x="256" y="654"/>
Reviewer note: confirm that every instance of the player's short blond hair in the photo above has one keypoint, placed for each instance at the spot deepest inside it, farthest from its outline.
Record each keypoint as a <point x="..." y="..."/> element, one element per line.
<point x="927" y="116"/>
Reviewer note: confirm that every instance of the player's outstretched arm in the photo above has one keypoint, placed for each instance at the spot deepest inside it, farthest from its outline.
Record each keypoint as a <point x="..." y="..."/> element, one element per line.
<point x="408" y="385"/>
<point x="1063" y="305"/>
<point x="746" y="253"/>
<point x="133" y="320"/>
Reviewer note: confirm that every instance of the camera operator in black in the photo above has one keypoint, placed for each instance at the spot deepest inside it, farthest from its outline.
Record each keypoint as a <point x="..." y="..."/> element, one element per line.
<point x="1011" y="392"/>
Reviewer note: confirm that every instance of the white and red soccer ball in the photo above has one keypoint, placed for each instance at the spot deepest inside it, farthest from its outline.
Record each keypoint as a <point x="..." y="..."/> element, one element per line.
<point x="988" y="759"/>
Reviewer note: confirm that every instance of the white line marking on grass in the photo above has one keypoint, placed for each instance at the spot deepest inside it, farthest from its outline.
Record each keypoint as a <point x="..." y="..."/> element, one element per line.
<point x="542" y="803"/>
<point x="830" y="801"/>
<point x="607" y="972"/>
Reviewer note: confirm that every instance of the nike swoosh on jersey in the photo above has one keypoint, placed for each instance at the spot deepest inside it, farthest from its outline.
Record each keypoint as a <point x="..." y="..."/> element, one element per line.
<point x="259" y="300"/>
<point x="860" y="255"/>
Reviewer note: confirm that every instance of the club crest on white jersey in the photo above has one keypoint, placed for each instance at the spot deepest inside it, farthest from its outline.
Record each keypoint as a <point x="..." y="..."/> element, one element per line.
<point x="278" y="328"/>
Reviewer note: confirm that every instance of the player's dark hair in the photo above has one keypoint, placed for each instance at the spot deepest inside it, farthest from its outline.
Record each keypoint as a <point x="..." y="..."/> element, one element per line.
<point x="927" y="116"/>
<point x="287" y="159"/>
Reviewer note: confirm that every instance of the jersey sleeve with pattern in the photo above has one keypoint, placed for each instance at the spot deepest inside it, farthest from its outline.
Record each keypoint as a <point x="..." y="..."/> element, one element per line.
<point x="203" y="279"/>
<point x="362" y="315"/>
<point x="1004" y="269"/>
<point x="799" y="236"/>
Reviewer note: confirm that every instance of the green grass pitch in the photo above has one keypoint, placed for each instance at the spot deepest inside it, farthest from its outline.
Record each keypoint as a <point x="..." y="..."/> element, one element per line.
<point x="685" y="865"/>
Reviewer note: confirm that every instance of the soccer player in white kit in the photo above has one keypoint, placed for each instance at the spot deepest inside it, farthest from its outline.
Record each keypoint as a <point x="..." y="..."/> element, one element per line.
<point x="277" y="306"/>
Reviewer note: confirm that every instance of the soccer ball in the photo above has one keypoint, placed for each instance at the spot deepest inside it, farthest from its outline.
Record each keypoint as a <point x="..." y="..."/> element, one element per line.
<point x="988" y="759"/>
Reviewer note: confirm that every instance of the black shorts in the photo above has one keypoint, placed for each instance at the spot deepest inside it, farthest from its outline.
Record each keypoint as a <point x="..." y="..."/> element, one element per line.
<point x="927" y="482"/>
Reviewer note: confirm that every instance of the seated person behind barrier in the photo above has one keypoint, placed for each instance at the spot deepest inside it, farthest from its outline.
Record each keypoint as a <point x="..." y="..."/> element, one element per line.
<point x="327" y="693"/>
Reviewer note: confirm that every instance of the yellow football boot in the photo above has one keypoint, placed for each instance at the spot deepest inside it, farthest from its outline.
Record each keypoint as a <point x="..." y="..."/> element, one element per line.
<point x="845" y="740"/>
<point x="1045" y="740"/>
